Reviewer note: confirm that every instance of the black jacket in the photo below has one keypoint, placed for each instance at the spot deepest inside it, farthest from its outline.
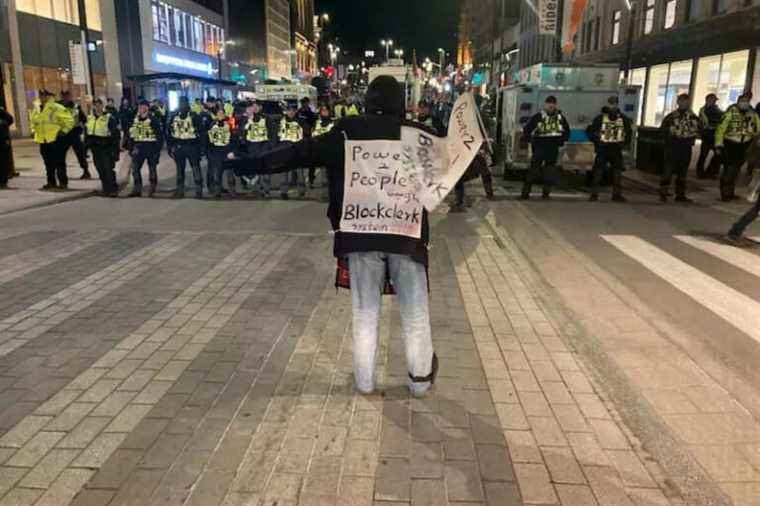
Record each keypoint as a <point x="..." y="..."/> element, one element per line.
<point x="595" y="128"/>
<point x="383" y="120"/>
<point x="538" y="141"/>
<point x="156" y="125"/>
<point x="6" y="120"/>
<point x="198" y="124"/>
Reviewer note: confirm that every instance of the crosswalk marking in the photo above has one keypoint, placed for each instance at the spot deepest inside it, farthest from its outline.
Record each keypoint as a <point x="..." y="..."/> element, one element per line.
<point x="733" y="306"/>
<point x="737" y="257"/>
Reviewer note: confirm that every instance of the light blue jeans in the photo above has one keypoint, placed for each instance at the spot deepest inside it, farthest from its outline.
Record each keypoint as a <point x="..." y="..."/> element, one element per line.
<point x="367" y="270"/>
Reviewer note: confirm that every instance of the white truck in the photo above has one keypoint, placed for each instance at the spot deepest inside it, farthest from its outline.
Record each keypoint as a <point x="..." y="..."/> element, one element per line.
<point x="404" y="75"/>
<point x="286" y="92"/>
<point x="581" y="92"/>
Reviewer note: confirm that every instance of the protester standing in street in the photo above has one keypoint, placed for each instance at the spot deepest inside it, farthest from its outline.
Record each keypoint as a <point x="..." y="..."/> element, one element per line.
<point x="371" y="256"/>
<point x="257" y="139"/>
<point x="740" y="125"/>
<point x="289" y="133"/>
<point x="126" y="116"/>
<point x="220" y="145"/>
<point x="74" y="137"/>
<point x="102" y="137"/>
<point x="547" y="131"/>
<point x="184" y="138"/>
<point x="6" y="157"/>
<point x="50" y="125"/>
<point x="680" y="129"/>
<point x="611" y="133"/>
<point x="144" y="140"/>
<point x="710" y="117"/>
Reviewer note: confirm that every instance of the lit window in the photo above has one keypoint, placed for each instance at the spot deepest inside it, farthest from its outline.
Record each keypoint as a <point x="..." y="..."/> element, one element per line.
<point x="649" y="16"/>
<point x="719" y="6"/>
<point x="670" y="13"/>
<point x="693" y="9"/>
<point x="616" y="16"/>
<point x="179" y="28"/>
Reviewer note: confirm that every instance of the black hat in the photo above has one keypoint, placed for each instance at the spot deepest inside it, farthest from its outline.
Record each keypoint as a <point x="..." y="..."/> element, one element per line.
<point x="683" y="96"/>
<point x="143" y="102"/>
<point x="292" y="105"/>
<point x="551" y="99"/>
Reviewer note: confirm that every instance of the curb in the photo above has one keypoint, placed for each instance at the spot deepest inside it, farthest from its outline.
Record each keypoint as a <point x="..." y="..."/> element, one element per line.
<point x="61" y="200"/>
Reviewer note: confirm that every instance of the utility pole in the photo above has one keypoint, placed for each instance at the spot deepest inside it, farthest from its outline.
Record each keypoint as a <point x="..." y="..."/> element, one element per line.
<point x="86" y="44"/>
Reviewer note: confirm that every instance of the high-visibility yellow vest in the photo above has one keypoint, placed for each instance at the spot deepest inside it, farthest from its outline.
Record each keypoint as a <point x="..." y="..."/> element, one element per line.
<point x="196" y="108"/>
<point x="228" y="109"/>
<point x="550" y="125"/>
<point x="321" y="129"/>
<point x="219" y="135"/>
<point x="684" y="126"/>
<point x="142" y="130"/>
<point x="339" y="110"/>
<point x="738" y="126"/>
<point x="97" y="126"/>
<point x="183" y="128"/>
<point x="51" y="120"/>
<point x="613" y="131"/>
<point x="290" y="131"/>
<point x="256" y="131"/>
<point x="352" y="110"/>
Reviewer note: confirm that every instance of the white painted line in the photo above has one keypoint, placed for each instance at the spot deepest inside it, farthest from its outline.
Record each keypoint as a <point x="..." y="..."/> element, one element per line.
<point x="737" y="257"/>
<point x="733" y="306"/>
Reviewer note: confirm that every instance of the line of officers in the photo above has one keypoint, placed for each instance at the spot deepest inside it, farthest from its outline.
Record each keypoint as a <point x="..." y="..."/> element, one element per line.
<point x="209" y="130"/>
<point x="728" y="135"/>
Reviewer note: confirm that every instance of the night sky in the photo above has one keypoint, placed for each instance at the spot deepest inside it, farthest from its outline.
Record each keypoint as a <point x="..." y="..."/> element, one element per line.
<point x="422" y="24"/>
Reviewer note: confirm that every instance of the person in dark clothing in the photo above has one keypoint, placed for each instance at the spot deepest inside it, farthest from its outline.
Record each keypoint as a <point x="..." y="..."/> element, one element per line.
<point x="74" y="137"/>
<point x="145" y="136"/>
<point x="324" y="124"/>
<point x="710" y="117"/>
<point x="6" y="157"/>
<point x="185" y="135"/>
<point x="611" y="133"/>
<point x="255" y="137"/>
<point x="126" y="116"/>
<point x="680" y="129"/>
<point x="291" y="132"/>
<point x="478" y="168"/>
<point x="102" y="137"/>
<point x="371" y="256"/>
<point x="739" y="127"/>
<point x="221" y="143"/>
<point x="547" y="131"/>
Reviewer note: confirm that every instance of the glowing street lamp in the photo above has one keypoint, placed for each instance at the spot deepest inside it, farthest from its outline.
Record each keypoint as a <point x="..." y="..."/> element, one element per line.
<point x="387" y="44"/>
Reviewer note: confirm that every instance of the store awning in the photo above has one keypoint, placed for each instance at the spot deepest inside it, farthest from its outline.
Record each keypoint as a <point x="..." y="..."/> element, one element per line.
<point x="176" y="76"/>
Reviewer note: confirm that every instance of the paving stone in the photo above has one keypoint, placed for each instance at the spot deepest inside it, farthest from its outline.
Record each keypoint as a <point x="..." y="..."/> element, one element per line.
<point x="463" y="481"/>
<point x="535" y="484"/>
<point x="579" y="495"/>
<point x="36" y="448"/>
<point x="393" y="481"/>
<point x="562" y="465"/>
<point x="607" y="486"/>
<point x="428" y="492"/>
<point x="502" y="494"/>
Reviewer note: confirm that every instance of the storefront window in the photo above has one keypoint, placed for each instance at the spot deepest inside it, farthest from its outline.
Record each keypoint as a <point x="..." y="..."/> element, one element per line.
<point x="671" y="6"/>
<point x="725" y="75"/>
<point x="658" y="85"/>
<point x="648" y="16"/>
<point x="639" y="78"/>
<point x="92" y="8"/>
<point x="179" y="29"/>
<point x="679" y="81"/>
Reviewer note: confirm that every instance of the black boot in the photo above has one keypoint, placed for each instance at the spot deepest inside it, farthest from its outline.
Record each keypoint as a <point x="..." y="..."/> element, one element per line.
<point x="152" y="190"/>
<point x="136" y="192"/>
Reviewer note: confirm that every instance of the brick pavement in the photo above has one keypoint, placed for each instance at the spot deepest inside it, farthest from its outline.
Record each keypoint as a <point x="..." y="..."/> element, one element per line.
<point x="221" y="375"/>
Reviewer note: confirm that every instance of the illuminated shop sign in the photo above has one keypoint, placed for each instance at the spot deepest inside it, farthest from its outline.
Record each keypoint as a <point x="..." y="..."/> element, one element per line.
<point x="164" y="59"/>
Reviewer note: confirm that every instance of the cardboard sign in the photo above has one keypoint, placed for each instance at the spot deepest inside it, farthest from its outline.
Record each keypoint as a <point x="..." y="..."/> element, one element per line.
<point x="388" y="183"/>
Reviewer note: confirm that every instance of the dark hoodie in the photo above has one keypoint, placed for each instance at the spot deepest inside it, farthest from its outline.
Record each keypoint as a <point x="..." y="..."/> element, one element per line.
<point x="383" y="120"/>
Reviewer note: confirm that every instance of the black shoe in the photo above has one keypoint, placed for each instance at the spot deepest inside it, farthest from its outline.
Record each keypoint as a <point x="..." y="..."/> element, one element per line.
<point x="198" y="194"/>
<point x="112" y="195"/>
<point x="63" y="187"/>
<point x="726" y="198"/>
<point x="178" y="195"/>
<point x="618" y="198"/>
<point x="664" y="198"/>
<point x="85" y="176"/>
<point x="457" y="208"/>
<point x="546" y="196"/>
<point x="489" y="195"/>
<point x="284" y="196"/>
<point x="525" y="196"/>
<point x="684" y="199"/>
<point x="49" y="187"/>
<point x="593" y="197"/>
<point x="136" y="193"/>
<point x="152" y="191"/>
<point x="733" y="239"/>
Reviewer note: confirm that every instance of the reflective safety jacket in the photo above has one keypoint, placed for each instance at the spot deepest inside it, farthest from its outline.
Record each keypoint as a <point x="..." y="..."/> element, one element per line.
<point x="185" y="127"/>
<point x="228" y="109"/>
<point x="290" y="131"/>
<point x="256" y="129"/>
<point x="546" y="131"/>
<point x="323" y="126"/>
<point x="51" y="120"/>
<point x="738" y="126"/>
<point x="196" y="108"/>
<point x="99" y="126"/>
<point x="102" y="131"/>
<point x="613" y="130"/>
<point x="680" y="127"/>
<point x="710" y="117"/>
<point x="610" y="129"/>
<point x="352" y="110"/>
<point x="220" y="134"/>
<point x="145" y="130"/>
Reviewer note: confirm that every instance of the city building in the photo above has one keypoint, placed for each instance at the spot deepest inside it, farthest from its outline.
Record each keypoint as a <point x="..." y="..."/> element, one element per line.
<point x="170" y="48"/>
<point x="38" y="41"/>
<point x="303" y="39"/>
<point x="259" y="45"/>
<point x="677" y="46"/>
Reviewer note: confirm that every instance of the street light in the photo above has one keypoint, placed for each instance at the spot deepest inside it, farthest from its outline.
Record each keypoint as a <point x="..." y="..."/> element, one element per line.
<point x="325" y="17"/>
<point x="399" y="53"/>
<point x="387" y="44"/>
<point x="441" y="56"/>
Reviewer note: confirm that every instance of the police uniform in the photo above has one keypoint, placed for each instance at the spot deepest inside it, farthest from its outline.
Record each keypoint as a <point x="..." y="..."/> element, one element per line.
<point x="546" y="132"/>
<point x="610" y="132"/>
<point x="185" y="135"/>
<point x="709" y="119"/>
<point x="680" y="130"/>
<point x="102" y="137"/>
<point x="144" y="141"/>
<point x="255" y="137"/>
<point x="50" y="125"/>
<point x="220" y="144"/>
<point x="289" y="133"/>
<point x="321" y="127"/>
<point x="74" y="137"/>
<point x="734" y="135"/>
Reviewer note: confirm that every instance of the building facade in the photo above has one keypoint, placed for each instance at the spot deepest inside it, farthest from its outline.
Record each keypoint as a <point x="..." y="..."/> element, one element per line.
<point x="677" y="46"/>
<point x="304" y="41"/>
<point x="39" y="38"/>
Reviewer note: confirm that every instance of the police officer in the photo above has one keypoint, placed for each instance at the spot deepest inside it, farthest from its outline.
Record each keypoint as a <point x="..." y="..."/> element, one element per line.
<point x="739" y="126"/>
<point x="680" y="129"/>
<point x="144" y="140"/>
<point x="102" y="137"/>
<point x="256" y="139"/>
<point x="611" y="133"/>
<point x="50" y="125"/>
<point x="184" y="137"/>
<point x="323" y="125"/>
<point x="6" y="158"/>
<point x="197" y="106"/>
<point x="547" y="131"/>
<point x="289" y="133"/>
<point x="710" y="117"/>
<point x="74" y="137"/>
<point x="220" y="145"/>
